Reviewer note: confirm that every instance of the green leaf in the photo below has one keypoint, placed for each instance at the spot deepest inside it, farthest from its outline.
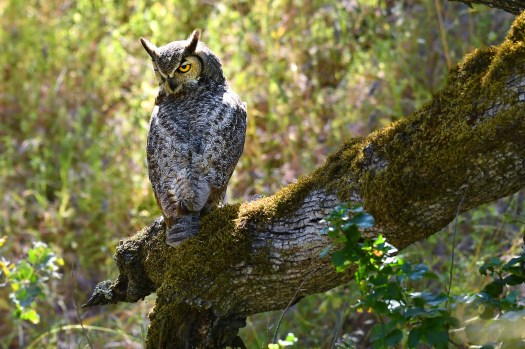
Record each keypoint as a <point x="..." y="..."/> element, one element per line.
<point x="394" y="291"/>
<point x="379" y="279"/>
<point x="39" y="254"/>
<point x="513" y="280"/>
<point x="340" y="261"/>
<point x="378" y="332"/>
<point x="351" y="232"/>
<point x="27" y="295"/>
<point x="489" y="265"/>
<point x="514" y="261"/>
<point x="413" y="337"/>
<point x="30" y="315"/>
<point x="494" y="289"/>
<point x="379" y="240"/>
<point x="516" y="270"/>
<point x="363" y="220"/>
<point x="394" y="337"/>
<point x="436" y="338"/>
<point x="512" y="298"/>
<point x="290" y="337"/>
<point x="24" y="272"/>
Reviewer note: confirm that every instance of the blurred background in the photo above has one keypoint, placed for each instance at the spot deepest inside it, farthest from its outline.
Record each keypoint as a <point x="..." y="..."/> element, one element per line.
<point x="76" y="94"/>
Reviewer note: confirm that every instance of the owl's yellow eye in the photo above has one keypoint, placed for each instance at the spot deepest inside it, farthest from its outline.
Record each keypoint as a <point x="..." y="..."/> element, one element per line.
<point x="184" y="68"/>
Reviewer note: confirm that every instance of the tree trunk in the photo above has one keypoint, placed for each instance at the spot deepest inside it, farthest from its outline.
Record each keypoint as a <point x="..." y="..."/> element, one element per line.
<point x="467" y="144"/>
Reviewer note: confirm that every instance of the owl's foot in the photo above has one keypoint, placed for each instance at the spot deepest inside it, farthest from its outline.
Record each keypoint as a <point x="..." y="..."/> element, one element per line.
<point x="183" y="227"/>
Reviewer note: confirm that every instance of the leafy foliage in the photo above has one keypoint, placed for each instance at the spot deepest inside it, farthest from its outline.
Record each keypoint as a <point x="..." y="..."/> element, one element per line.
<point x="382" y="279"/>
<point x="500" y="305"/>
<point x="27" y="279"/>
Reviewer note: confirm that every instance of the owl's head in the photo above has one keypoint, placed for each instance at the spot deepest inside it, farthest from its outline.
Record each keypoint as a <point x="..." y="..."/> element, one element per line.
<point x="182" y="65"/>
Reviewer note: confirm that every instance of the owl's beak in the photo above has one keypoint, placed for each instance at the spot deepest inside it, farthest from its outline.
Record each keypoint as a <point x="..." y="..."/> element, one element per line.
<point x="172" y="84"/>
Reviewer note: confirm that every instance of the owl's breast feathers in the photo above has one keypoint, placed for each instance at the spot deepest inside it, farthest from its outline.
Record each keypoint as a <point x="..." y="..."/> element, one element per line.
<point x="194" y="144"/>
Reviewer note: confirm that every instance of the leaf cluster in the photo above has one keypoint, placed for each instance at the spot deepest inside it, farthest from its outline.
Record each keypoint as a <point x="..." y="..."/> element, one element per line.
<point x="383" y="281"/>
<point x="499" y="305"/>
<point x="28" y="277"/>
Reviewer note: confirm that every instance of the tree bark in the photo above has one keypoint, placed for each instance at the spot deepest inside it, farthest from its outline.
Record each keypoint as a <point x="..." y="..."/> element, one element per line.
<point x="512" y="6"/>
<point x="466" y="145"/>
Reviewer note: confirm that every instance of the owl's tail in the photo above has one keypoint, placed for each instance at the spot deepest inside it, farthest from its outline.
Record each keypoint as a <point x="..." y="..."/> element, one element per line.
<point x="184" y="226"/>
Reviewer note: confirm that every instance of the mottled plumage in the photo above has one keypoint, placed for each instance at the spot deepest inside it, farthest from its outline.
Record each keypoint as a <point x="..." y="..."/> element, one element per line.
<point x="196" y="134"/>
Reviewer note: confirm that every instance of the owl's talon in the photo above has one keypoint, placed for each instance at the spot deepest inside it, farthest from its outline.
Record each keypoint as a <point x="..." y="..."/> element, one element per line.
<point x="183" y="227"/>
<point x="176" y="239"/>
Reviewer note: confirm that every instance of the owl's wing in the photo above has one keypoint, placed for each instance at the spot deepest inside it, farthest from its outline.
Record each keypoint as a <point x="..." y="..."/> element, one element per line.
<point x="222" y="152"/>
<point x="167" y="160"/>
<point x="151" y="156"/>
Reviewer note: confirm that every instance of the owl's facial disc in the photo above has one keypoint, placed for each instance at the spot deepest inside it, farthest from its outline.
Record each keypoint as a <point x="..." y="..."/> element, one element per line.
<point x="186" y="75"/>
<point x="177" y="65"/>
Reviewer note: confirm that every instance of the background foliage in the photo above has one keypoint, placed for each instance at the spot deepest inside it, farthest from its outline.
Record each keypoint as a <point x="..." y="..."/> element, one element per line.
<point x="77" y="91"/>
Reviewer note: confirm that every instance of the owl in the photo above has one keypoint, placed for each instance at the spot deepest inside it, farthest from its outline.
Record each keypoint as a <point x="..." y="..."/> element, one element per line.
<point x="196" y="134"/>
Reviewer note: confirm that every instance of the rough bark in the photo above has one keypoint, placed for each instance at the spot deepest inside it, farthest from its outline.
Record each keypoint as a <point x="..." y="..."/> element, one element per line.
<point x="512" y="6"/>
<point x="467" y="144"/>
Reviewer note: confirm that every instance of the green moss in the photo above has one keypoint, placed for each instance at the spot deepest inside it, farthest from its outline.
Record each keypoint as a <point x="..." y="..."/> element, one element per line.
<point x="168" y="325"/>
<point x="517" y="32"/>
<point x="431" y="149"/>
<point x="206" y="254"/>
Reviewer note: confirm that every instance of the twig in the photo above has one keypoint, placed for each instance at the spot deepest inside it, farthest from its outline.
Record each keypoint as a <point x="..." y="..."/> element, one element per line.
<point x="79" y="318"/>
<point x="443" y="32"/>
<point x="339" y="325"/>
<point x="294" y="298"/>
<point x="454" y="244"/>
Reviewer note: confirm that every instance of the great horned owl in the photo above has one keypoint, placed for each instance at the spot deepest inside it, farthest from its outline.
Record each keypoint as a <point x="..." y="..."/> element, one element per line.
<point x="196" y="133"/>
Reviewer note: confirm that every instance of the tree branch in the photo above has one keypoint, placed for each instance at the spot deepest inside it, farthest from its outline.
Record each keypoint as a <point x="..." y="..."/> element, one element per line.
<point x="262" y="255"/>
<point x="511" y="6"/>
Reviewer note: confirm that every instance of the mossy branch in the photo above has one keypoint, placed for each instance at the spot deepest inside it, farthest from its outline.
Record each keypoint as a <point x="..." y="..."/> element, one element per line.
<point x="511" y="6"/>
<point x="467" y="144"/>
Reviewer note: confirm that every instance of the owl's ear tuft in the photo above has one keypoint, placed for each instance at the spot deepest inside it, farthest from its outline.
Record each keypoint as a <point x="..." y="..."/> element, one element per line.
<point x="150" y="48"/>
<point x="193" y="40"/>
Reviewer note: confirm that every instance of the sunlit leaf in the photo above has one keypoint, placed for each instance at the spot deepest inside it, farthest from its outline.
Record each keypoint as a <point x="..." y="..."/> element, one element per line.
<point x="30" y="315"/>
